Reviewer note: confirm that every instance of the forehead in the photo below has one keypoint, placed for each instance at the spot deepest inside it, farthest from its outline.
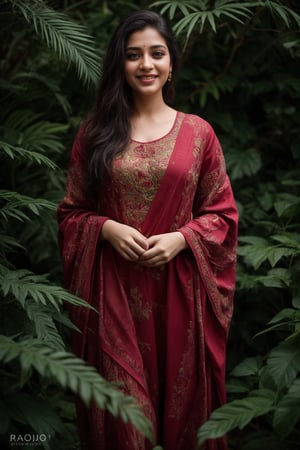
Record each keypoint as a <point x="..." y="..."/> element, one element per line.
<point x="148" y="37"/>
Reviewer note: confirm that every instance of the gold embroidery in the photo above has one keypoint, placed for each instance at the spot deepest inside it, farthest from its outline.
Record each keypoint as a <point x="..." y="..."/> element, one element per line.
<point x="139" y="308"/>
<point x="137" y="175"/>
<point x="186" y="368"/>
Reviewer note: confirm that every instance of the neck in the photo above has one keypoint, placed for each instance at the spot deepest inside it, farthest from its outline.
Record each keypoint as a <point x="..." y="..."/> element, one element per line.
<point x="149" y="106"/>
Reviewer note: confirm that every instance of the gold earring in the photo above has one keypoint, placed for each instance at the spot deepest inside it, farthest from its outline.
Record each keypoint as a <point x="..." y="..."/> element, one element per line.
<point x="170" y="76"/>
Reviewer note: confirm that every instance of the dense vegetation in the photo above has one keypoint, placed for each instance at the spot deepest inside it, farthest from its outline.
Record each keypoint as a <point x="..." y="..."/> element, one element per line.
<point x="241" y="71"/>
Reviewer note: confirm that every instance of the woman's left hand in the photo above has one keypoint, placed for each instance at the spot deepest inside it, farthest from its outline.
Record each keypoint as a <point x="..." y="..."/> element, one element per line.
<point x="162" y="249"/>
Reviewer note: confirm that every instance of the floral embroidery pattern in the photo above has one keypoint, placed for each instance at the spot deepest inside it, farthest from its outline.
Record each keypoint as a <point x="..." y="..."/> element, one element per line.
<point x="137" y="175"/>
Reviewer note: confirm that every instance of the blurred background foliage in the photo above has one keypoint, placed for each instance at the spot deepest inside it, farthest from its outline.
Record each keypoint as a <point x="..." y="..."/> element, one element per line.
<point x="241" y="72"/>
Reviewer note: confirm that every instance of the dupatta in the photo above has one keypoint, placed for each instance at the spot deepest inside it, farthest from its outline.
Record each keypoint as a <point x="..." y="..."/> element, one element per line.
<point x="204" y="211"/>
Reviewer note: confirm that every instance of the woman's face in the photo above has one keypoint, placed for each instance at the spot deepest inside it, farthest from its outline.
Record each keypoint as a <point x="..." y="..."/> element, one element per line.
<point x="147" y="62"/>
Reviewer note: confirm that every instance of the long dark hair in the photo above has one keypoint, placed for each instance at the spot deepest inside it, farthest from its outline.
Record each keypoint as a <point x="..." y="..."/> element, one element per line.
<point x="107" y="131"/>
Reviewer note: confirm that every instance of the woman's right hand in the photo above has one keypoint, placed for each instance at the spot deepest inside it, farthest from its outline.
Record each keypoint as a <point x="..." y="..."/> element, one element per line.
<point x="126" y="240"/>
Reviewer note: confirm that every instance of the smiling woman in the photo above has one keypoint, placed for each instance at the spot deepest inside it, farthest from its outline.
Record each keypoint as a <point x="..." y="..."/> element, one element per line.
<point x="148" y="231"/>
<point x="148" y="62"/>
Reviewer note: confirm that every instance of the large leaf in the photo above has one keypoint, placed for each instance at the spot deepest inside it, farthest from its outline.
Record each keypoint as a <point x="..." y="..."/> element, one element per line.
<point x="24" y="285"/>
<point x="236" y="414"/>
<point x="26" y="409"/>
<point x="287" y="412"/>
<point x="68" y="39"/>
<point x="45" y="328"/>
<point x="284" y="363"/>
<point x="15" y="203"/>
<point x="72" y="372"/>
<point x="21" y="153"/>
<point x="249" y="366"/>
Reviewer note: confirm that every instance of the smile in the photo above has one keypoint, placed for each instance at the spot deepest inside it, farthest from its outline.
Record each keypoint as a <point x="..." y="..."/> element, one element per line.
<point x="146" y="77"/>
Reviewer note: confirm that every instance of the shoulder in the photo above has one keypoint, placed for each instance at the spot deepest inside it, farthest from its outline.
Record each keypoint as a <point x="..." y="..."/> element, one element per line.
<point x="198" y="124"/>
<point x="199" y="128"/>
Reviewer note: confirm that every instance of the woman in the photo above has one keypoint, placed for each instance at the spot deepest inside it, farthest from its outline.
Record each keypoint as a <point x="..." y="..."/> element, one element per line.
<point x="148" y="231"/>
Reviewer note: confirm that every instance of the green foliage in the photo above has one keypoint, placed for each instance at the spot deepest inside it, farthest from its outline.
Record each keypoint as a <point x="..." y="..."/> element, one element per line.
<point x="39" y="377"/>
<point x="241" y="72"/>
<point x="69" y="40"/>
<point x="233" y="75"/>
<point x="237" y="413"/>
<point x="71" y="372"/>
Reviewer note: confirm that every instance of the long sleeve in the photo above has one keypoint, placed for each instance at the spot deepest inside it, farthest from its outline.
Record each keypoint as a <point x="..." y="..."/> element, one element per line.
<point x="212" y="232"/>
<point x="78" y="220"/>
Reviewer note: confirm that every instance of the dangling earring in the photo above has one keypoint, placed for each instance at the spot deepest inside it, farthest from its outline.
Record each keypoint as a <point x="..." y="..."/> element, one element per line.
<point x="170" y="76"/>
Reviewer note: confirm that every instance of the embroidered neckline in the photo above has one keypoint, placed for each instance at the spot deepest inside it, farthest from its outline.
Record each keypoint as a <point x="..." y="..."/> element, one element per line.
<point x="160" y="138"/>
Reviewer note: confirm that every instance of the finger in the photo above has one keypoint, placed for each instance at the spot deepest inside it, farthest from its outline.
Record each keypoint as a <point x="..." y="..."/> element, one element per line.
<point x="154" y="262"/>
<point x="149" y="254"/>
<point x="142" y="241"/>
<point x="130" y="255"/>
<point x="138" y="251"/>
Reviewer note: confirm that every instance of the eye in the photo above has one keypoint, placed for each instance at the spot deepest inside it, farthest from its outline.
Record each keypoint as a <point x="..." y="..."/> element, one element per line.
<point x="132" y="56"/>
<point x="158" y="54"/>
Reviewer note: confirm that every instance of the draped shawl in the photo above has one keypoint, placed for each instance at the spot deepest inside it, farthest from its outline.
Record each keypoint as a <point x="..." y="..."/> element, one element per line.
<point x="160" y="332"/>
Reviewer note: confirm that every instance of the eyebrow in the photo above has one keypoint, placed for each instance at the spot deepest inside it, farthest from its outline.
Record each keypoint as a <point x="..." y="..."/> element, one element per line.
<point x="152" y="47"/>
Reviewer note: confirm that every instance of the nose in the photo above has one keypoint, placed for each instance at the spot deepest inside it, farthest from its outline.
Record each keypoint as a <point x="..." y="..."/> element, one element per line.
<point x="146" y="62"/>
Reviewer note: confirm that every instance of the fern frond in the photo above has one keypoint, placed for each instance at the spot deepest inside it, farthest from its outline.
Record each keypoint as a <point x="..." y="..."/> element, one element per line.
<point x="68" y="39"/>
<point x="72" y="372"/>
<point x="9" y="243"/>
<point x="25" y="129"/>
<point x="21" y="153"/>
<point x="15" y="201"/>
<point x="286" y="14"/>
<point x="236" y="414"/>
<point x="45" y="328"/>
<point x="35" y="411"/>
<point x="227" y="8"/>
<point x="24" y="285"/>
<point x="45" y="86"/>
<point x="181" y="5"/>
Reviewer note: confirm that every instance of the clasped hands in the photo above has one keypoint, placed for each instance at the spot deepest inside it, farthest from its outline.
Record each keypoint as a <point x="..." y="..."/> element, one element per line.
<point x="134" y="246"/>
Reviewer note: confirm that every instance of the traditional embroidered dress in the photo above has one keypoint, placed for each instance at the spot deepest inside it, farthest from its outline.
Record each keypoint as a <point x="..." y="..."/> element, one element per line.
<point x="161" y="332"/>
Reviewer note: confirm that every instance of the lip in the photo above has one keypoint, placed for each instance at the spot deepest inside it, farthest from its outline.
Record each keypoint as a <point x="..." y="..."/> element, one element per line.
<point x="146" y="79"/>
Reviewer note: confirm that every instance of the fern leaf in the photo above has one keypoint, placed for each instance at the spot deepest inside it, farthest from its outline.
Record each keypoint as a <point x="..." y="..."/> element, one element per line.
<point x="225" y="8"/>
<point x="15" y="201"/>
<point x="287" y="412"/>
<point x="45" y="328"/>
<point x="69" y="40"/>
<point x="47" y="86"/>
<point x="35" y="411"/>
<point x="23" y="285"/>
<point x="71" y="372"/>
<point x="236" y="414"/>
<point x="181" y="5"/>
<point x="8" y="243"/>
<point x="21" y="153"/>
<point x="285" y="13"/>
<point x="26" y="129"/>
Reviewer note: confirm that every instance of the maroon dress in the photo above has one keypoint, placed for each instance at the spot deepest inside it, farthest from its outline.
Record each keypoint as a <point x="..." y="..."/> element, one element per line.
<point x="161" y="332"/>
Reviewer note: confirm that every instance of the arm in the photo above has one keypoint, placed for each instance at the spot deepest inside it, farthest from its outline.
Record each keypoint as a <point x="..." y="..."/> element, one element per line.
<point x="81" y="228"/>
<point x="79" y="224"/>
<point x="215" y="216"/>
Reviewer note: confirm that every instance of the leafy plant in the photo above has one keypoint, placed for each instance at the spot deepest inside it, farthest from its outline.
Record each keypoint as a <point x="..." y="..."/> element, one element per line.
<point x="39" y="376"/>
